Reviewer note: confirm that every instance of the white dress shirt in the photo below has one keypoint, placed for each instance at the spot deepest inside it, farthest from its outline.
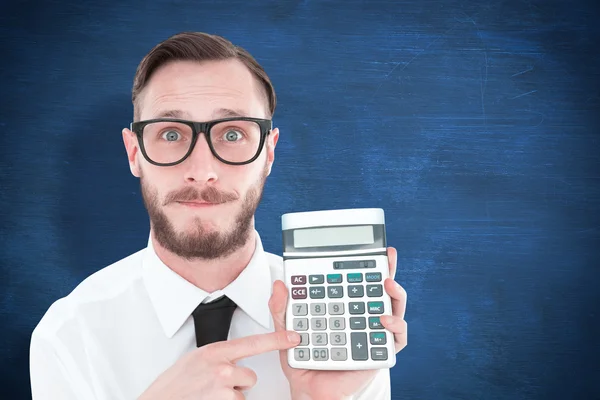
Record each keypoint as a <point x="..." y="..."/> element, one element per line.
<point x="118" y="330"/>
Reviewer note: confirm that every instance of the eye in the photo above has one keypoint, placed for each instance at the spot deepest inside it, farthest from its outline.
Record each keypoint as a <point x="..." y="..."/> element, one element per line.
<point x="171" y="136"/>
<point x="232" y="136"/>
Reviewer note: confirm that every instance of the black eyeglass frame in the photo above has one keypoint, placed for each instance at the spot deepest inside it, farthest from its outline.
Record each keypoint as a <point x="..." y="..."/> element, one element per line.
<point x="266" y="125"/>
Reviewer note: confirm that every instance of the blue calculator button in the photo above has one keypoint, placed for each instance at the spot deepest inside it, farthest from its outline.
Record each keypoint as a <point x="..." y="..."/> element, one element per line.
<point x="375" y="307"/>
<point x="334" y="278"/>
<point x="373" y="276"/>
<point x="355" y="278"/>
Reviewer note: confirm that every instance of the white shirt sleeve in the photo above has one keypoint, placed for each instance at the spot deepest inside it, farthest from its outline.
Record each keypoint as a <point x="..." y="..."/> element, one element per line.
<point x="378" y="389"/>
<point x="50" y="373"/>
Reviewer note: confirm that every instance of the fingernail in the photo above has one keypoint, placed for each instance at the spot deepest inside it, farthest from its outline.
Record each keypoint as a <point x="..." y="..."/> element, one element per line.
<point x="293" y="337"/>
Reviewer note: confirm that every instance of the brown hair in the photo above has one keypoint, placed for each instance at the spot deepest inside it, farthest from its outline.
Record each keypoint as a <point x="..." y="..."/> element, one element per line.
<point x="197" y="46"/>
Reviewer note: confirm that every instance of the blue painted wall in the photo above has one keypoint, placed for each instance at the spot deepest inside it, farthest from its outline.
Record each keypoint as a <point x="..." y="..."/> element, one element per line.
<point x="474" y="124"/>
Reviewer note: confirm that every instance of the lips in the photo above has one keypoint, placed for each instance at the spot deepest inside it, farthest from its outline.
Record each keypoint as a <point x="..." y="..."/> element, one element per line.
<point x="197" y="203"/>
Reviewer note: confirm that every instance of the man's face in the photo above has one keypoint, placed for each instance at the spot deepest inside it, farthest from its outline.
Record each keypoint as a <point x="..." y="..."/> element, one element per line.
<point x="202" y="208"/>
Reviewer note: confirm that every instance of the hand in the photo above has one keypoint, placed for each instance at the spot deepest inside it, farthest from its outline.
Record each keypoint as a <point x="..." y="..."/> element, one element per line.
<point x="335" y="385"/>
<point x="210" y="372"/>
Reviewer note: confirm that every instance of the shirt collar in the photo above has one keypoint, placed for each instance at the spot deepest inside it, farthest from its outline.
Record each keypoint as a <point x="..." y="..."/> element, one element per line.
<point x="174" y="298"/>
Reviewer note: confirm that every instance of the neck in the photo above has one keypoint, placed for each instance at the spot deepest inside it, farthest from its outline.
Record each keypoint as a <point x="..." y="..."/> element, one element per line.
<point x="208" y="275"/>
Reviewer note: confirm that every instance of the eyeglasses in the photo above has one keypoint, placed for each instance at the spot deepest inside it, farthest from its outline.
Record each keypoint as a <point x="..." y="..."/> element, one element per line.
<point x="235" y="141"/>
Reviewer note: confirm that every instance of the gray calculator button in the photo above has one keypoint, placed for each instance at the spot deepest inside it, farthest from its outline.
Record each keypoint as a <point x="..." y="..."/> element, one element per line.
<point x="357" y="307"/>
<point x="375" y="307"/>
<point x="300" y="324"/>
<point x="316" y="292"/>
<point x="373" y="276"/>
<point x="337" y="338"/>
<point x="358" y="323"/>
<point x="317" y="309"/>
<point x="358" y="343"/>
<point x="355" y="291"/>
<point x="379" y="353"/>
<point x="300" y="309"/>
<point x="319" y="339"/>
<point x="303" y="339"/>
<point x="335" y="292"/>
<point x="374" y="290"/>
<point x="375" y="323"/>
<point x="339" y="354"/>
<point x="337" y="323"/>
<point x="316" y="279"/>
<point x="301" y="354"/>
<point x="318" y="324"/>
<point x="320" y="354"/>
<point x="336" y="308"/>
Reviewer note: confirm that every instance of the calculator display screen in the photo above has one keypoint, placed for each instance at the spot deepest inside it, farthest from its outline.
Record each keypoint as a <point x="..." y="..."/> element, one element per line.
<point x="334" y="236"/>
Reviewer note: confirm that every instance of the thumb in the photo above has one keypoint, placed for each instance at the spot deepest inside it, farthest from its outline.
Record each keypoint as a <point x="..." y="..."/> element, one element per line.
<point x="278" y="304"/>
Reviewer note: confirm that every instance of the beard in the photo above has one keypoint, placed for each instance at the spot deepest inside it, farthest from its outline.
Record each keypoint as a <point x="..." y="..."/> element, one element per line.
<point x="200" y="243"/>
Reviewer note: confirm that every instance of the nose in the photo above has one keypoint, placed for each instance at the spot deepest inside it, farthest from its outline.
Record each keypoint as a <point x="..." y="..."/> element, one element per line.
<point x="200" y="166"/>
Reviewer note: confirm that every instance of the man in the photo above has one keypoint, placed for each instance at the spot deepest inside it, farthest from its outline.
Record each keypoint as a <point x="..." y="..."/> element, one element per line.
<point x="132" y="330"/>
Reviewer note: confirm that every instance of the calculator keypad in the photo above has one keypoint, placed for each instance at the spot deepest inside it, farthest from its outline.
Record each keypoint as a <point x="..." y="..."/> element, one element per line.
<point x="322" y="324"/>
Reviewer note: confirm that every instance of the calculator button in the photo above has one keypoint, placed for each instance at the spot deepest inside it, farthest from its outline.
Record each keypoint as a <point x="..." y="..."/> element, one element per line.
<point x="337" y="323"/>
<point x="355" y="291"/>
<point x="358" y="323"/>
<point x="358" y="341"/>
<point x="318" y="324"/>
<point x="335" y="292"/>
<point x="355" y="278"/>
<point x="300" y="324"/>
<point x="336" y="308"/>
<point x="337" y="338"/>
<point x="317" y="309"/>
<point x="298" y="293"/>
<point x="301" y="354"/>
<point x="375" y="307"/>
<point x="299" y="280"/>
<point x="373" y="276"/>
<point x="339" y="354"/>
<point x="300" y="309"/>
<point x="378" y="338"/>
<point x="316" y="279"/>
<point x="374" y="290"/>
<point x="356" y="307"/>
<point x="320" y="354"/>
<point x="319" y="339"/>
<point x="334" y="278"/>
<point x="379" y="353"/>
<point x="375" y="323"/>
<point x="317" y="292"/>
<point x="303" y="339"/>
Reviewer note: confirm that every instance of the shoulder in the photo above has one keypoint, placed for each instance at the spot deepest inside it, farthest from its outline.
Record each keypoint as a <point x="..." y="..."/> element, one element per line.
<point x="275" y="265"/>
<point x="101" y="286"/>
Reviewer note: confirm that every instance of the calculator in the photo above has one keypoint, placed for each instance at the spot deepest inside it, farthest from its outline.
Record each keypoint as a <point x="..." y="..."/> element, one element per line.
<point x="335" y="263"/>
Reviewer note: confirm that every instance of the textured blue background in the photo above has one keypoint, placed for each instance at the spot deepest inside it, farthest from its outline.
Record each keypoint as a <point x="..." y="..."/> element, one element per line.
<point x="474" y="124"/>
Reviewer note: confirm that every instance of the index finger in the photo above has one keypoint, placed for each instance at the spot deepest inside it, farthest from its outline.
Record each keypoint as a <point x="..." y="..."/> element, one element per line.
<point x="236" y="349"/>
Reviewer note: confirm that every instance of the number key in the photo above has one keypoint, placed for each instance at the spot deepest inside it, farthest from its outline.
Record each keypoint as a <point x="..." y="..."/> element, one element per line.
<point x="301" y="354"/>
<point x="318" y="324"/>
<point x="337" y="323"/>
<point x="337" y="338"/>
<point x="300" y="309"/>
<point x="300" y="324"/>
<point x="317" y="309"/>
<point x="319" y="339"/>
<point x="336" y="308"/>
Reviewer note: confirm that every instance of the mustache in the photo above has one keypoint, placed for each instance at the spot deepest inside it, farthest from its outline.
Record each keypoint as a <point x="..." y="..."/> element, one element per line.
<point x="209" y="195"/>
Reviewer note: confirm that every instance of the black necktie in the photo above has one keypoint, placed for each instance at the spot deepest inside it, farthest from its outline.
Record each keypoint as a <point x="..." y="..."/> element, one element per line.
<point x="212" y="320"/>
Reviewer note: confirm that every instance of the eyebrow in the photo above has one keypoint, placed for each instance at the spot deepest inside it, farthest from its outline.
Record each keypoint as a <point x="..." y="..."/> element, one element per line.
<point x="219" y="113"/>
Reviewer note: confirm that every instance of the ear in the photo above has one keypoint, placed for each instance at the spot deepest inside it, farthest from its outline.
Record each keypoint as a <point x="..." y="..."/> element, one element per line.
<point x="271" y="143"/>
<point x="131" y="147"/>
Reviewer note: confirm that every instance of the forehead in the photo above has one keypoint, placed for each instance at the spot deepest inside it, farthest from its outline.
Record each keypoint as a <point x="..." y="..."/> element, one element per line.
<point x="202" y="90"/>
